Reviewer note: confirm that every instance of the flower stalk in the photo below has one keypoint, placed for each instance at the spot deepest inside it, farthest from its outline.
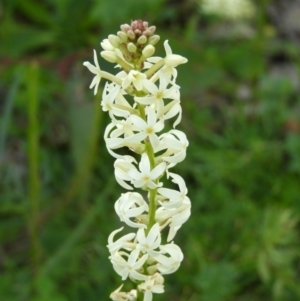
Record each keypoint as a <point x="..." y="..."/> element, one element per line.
<point x="139" y="100"/>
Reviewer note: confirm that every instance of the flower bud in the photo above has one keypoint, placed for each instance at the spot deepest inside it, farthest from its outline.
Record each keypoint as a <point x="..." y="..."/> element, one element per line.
<point x="142" y="39"/>
<point x="114" y="40"/>
<point x="152" y="29"/>
<point x="137" y="32"/>
<point x="145" y="24"/>
<point x="174" y="60"/>
<point x="106" y="45"/>
<point x="153" y="39"/>
<point x="148" y="51"/>
<point x="131" y="47"/>
<point x="125" y="27"/>
<point x="109" y="56"/>
<point x="158" y="278"/>
<point x="151" y="269"/>
<point x="130" y="34"/>
<point x="123" y="36"/>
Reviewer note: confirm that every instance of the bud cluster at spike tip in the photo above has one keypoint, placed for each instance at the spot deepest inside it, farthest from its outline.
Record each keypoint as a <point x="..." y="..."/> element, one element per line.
<point x="140" y="99"/>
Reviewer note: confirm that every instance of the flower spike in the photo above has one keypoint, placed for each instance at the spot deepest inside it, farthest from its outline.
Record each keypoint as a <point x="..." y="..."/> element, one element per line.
<point x="140" y="99"/>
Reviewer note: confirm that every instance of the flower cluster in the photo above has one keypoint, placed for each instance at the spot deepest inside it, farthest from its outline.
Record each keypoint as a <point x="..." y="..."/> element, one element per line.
<point x="139" y="100"/>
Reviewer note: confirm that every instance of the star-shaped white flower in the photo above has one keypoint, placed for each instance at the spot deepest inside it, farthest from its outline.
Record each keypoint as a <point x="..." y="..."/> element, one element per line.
<point x="136" y="78"/>
<point x="148" y="243"/>
<point x="169" y="264"/>
<point x="122" y="167"/>
<point x="146" y="177"/>
<point x="128" y="268"/>
<point x="158" y="94"/>
<point x="179" y="218"/>
<point x="108" y="102"/>
<point x="174" y="198"/>
<point x="113" y="136"/>
<point x="131" y="205"/>
<point x="175" y="217"/>
<point x="149" y="287"/>
<point x="96" y="70"/>
<point x="146" y="129"/>
<point x="123" y="242"/>
<point x="177" y="143"/>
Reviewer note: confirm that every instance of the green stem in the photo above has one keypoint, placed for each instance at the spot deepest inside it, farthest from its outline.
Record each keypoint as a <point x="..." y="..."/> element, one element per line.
<point x="111" y="77"/>
<point x="124" y="65"/>
<point x="152" y="192"/>
<point x="154" y="68"/>
<point x="140" y="295"/>
<point x="142" y="111"/>
<point x="150" y="153"/>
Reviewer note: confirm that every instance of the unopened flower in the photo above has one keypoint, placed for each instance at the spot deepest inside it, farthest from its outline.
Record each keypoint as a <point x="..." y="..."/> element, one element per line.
<point x="173" y="60"/>
<point x="119" y="296"/>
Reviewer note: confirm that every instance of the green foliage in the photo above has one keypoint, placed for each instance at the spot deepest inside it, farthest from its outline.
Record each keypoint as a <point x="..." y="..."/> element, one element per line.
<point x="240" y="112"/>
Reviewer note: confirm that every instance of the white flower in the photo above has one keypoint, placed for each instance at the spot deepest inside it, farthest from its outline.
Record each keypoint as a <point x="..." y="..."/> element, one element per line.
<point x="146" y="129"/>
<point x="136" y="78"/>
<point x="96" y="70"/>
<point x="175" y="217"/>
<point x="146" y="177"/>
<point x="148" y="243"/>
<point x="129" y="268"/>
<point x="157" y="94"/>
<point x="169" y="71"/>
<point x="175" y="198"/>
<point x="123" y="242"/>
<point x="173" y="60"/>
<point x="122" y="296"/>
<point x="122" y="167"/>
<point x="109" y="103"/>
<point x="129" y="205"/>
<point x="132" y="295"/>
<point x="172" y="109"/>
<point x="169" y="264"/>
<point x="179" y="218"/>
<point x="177" y="143"/>
<point x="123" y="127"/>
<point x="149" y="287"/>
<point x="113" y="140"/>
<point x="158" y="278"/>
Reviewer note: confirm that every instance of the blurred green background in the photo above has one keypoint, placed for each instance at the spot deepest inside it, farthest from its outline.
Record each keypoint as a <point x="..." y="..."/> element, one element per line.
<point x="241" y="104"/>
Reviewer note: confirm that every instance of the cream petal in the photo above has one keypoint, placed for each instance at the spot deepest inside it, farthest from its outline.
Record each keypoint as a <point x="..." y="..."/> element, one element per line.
<point x="158" y="170"/>
<point x="144" y="165"/>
